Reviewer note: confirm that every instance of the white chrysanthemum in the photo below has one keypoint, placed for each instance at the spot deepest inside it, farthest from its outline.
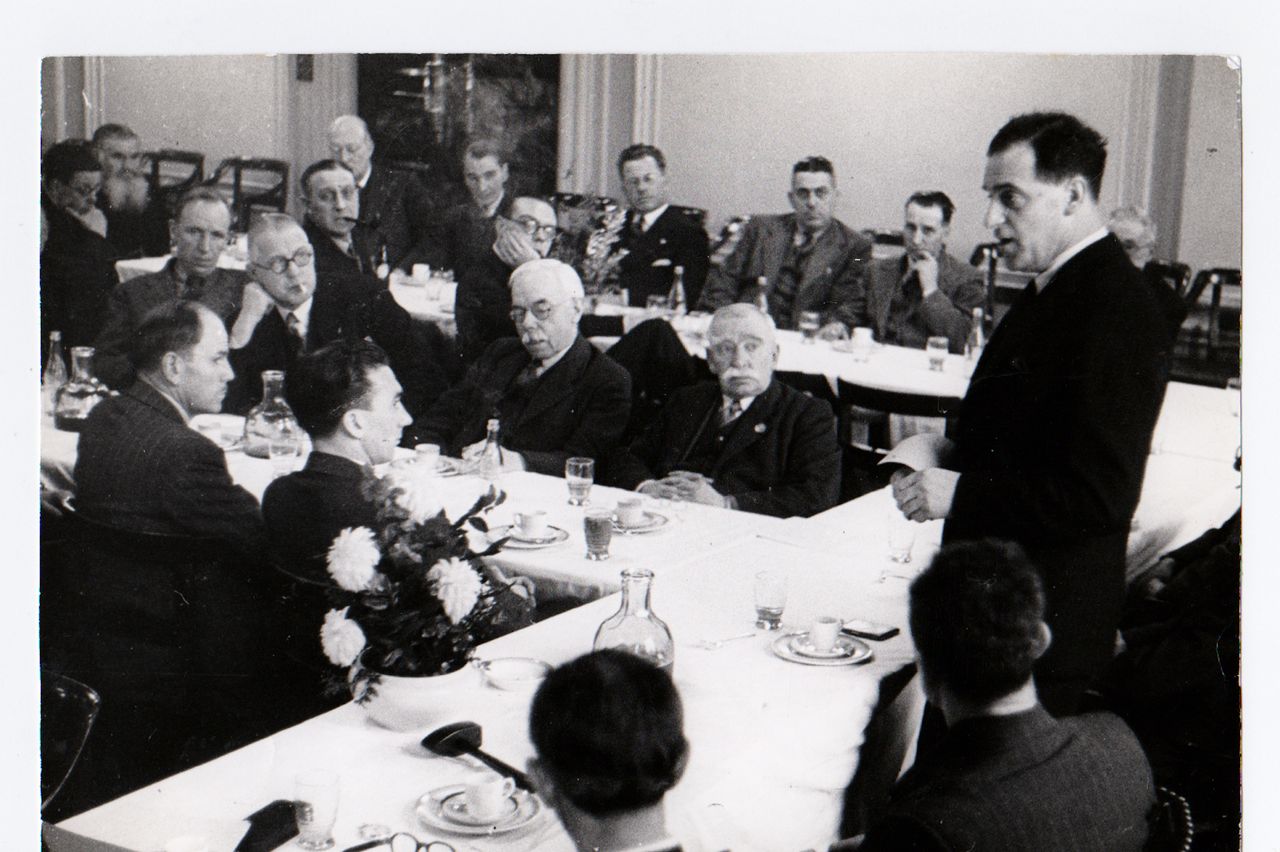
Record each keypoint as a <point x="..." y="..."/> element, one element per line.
<point x="341" y="638"/>
<point x="353" y="559"/>
<point x="457" y="585"/>
<point x="416" y="492"/>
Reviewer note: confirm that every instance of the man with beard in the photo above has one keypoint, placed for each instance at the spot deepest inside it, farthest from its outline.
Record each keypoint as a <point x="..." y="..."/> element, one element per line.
<point x="136" y="224"/>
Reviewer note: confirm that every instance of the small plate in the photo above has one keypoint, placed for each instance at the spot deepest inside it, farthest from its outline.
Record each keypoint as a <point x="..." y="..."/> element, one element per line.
<point x="449" y="466"/>
<point x="652" y="521"/>
<point x="517" y="541"/>
<point x="802" y="645"/>
<point x="445" y="809"/>
<point x="858" y="651"/>
<point x="514" y="673"/>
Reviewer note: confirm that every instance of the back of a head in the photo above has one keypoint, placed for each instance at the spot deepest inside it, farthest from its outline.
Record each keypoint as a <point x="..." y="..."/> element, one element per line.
<point x="63" y="160"/>
<point x="976" y="616"/>
<point x="608" y="729"/>
<point x="171" y="327"/>
<point x="324" y="384"/>
<point x="1063" y="145"/>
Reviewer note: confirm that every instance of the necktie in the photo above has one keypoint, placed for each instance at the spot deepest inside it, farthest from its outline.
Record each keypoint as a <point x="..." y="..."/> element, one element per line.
<point x="731" y="413"/>
<point x="295" y="331"/>
<point x="194" y="287"/>
<point x="637" y="224"/>
<point x="529" y="374"/>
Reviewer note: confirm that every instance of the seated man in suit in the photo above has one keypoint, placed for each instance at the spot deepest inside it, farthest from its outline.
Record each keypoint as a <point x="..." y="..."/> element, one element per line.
<point x="136" y="221"/>
<point x="332" y="220"/>
<point x="139" y="466"/>
<point x="200" y="229"/>
<point x="745" y="441"/>
<point x="809" y="260"/>
<point x="555" y="395"/>
<point x="656" y="238"/>
<point x="1006" y="775"/>
<point x="607" y="732"/>
<point x="483" y="303"/>
<point x="394" y="207"/>
<point x="77" y="264"/>
<point x="288" y="309"/>
<point x="926" y="292"/>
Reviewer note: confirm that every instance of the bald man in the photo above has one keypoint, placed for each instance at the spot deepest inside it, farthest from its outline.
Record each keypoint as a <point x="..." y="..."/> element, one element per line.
<point x="554" y="393"/>
<point x="394" y="205"/>
<point x="744" y="441"/>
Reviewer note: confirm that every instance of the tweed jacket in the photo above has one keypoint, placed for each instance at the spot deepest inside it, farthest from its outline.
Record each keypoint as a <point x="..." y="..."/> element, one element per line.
<point x="947" y="312"/>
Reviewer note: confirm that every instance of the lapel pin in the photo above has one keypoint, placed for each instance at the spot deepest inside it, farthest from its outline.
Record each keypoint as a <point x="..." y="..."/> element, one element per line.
<point x="761" y="428"/>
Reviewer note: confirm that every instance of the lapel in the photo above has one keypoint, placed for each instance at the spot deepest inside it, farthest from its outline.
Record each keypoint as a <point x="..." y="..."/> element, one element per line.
<point x="751" y="426"/>
<point x="775" y="244"/>
<point x="558" y="382"/>
<point x="328" y="310"/>
<point x="710" y="408"/>
<point x="822" y="259"/>
<point x="883" y="286"/>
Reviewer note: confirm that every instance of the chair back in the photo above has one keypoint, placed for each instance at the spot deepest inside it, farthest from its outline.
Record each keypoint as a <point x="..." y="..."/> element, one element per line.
<point x="1170" y="828"/>
<point x="68" y="709"/>
<point x="728" y="240"/>
<point x="171" y="173"/>
<point x="889" y="736"/>
<point x="871" y="405"/>
<point x="253" y="184"/>
<point x="1177" y="276"/>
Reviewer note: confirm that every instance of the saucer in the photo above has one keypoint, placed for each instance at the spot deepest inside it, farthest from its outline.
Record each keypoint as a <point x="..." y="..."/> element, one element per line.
<point x="846" y="652"/>
<point x="514" y="673"/>
<point x="517" y="541"/>
<point x="652" y="521"/>
<point x="445" y="808"/>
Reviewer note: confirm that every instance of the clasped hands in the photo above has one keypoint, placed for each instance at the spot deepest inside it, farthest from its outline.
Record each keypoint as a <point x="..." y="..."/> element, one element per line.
<point x="923" y="495"/>
<point x="685" y="485"/>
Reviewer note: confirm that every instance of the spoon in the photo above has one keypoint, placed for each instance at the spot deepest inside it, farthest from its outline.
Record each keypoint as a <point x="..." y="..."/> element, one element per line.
<point x="713" y="644"/>
<point x="462" y="738"/>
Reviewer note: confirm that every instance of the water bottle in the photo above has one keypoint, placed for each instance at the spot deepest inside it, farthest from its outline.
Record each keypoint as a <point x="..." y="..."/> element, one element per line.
<point x="634" y="627"/>
<point x="676" y="300"/>
<point x="55" y="372"/>
<point x="761" y="299"/>
<point x="977" y="338"/>
<point x="490" y="466"/>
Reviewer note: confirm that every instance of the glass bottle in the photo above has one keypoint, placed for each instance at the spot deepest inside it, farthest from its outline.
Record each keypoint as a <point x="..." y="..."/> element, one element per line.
<point x="676" y="299"/>
<point x="271" y="420"/>
<point x="761" y="299"/>
<point x="55" y="373"/>
<point x="490" y="464"/>
<point x="977" y="337"/>
<point x="75" y="399"/>
<point x="383" y="269"/>
<point x="634" y="627"/>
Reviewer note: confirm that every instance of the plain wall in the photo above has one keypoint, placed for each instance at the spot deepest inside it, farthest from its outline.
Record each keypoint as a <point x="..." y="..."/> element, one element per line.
<point x="1211" y="221"/>
<point x="731" y="126"/>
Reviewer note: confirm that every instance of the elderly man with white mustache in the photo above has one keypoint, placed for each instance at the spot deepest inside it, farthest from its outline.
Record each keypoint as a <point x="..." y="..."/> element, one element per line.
<point x="745" y="441"/>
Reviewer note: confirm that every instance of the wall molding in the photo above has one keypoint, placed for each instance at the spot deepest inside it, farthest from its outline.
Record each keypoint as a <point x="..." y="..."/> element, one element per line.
<point x="582" y="146"/>
<point x="281" y="119"/>
<point x="644" y="109"/>
<point x="94" y="94"/>
<point x="1136" y="162"/>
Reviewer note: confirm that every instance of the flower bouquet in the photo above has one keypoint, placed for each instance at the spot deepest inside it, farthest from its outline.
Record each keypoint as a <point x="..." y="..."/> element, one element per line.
<point x="410" y="598"/>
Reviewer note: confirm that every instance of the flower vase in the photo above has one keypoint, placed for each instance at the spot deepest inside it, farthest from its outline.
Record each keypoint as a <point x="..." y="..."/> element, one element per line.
<point x="421" y="701"/>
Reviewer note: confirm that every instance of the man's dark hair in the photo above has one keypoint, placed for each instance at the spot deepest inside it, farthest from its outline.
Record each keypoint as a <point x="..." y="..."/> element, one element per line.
<point x="815" y="164"/>
<point x="63" y="160"/>
<point x="608" y="729"/>
<point x="320" y="166"/>
<point x="199" y="193"/>
<point x="1064" y="146"/>
<point x="171" y="327"/>
<point x="934" y="198"/>
<point x="478" y="149"/>
<point x="975" y="618"/>
<point x="323" y="385"/>
<point x="112" y="131"/>
<point x="639" y="151"/>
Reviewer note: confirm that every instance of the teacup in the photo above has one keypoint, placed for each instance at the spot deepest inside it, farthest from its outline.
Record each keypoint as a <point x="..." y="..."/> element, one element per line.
<point x="421" y="273"/>
<point x="630" y="512"/>
<point x="823" y="632"/>
<point x="532" y="524"/>
<point x="487" y="795"/>
<point x="428" y="455"/>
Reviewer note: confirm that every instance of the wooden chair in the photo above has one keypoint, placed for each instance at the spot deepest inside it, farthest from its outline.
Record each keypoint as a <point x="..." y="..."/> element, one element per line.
<point x="1169" y="823"/>
<point x="171" y="173"/>
<point x="68" y="709"/>
<point x="254" y="184"/>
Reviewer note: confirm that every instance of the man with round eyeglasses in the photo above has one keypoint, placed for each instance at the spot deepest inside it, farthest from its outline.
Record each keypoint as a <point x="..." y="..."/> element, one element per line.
<point x="554" y="394"/>
<point x="289" y="309"/>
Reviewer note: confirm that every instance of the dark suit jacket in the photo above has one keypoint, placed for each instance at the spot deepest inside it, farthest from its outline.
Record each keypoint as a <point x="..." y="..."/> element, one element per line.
<point x="458" y="238"/>
<point x="140" y="468"/>
<point x="143" y="233"/>
<point x="1022" y="782"/>
<point x="578" y="408"/>
<point x="832" y="286"/>
<point x="331" y="260"/>
<point x="649" y="267"/>
<point x="947" y="312"/>
<point x="779" y="457"/>
<point x="1051" y="443"/>
<point x="482" y="307"/>
<point x="394" y="210"/>
<point x="350" y="308"/>
<point x="131" y="300"/>
<point x="77" y="273"/>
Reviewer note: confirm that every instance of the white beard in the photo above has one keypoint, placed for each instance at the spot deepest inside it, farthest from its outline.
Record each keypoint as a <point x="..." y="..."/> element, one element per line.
<point x="126" y="193"/>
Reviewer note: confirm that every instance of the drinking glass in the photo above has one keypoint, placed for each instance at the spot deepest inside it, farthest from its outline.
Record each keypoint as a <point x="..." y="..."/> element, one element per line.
<point x="861" y="344"/>
<point x="315" y="807"/>
<point x="283" y="449"/>
<point x="902" y="536"/>
<point x="597" y="528"/>
<point x="579" y="473"/>
<point x="771" y="599"/>
<point x="656" y="305"/>
<point x="809" y="323"/>
<point x="937" y="349"/>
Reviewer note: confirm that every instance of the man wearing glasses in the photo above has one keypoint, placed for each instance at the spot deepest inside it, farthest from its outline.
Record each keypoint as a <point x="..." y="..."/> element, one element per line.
<point x="483" y="302"/>
<point x="199" y="232"/>
<point x="332" y="220"/>
<point x="555" y="395"/>
<point x="288" y="310"/>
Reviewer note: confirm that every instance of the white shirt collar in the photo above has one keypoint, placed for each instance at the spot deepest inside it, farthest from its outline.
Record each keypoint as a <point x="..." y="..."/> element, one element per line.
<point x="364" y="180"/>
<point x="1042" y="280"/>
<point x="652" y="216"/>
<point x="182" y="411"/>
<point x="302" y="312"/>
<point x="492" y="209"/>
<point x="726" y="401"/>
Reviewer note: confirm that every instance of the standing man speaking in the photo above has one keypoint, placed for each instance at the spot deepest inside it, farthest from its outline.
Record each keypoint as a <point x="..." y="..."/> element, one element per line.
<point x="1051" y="441"/>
